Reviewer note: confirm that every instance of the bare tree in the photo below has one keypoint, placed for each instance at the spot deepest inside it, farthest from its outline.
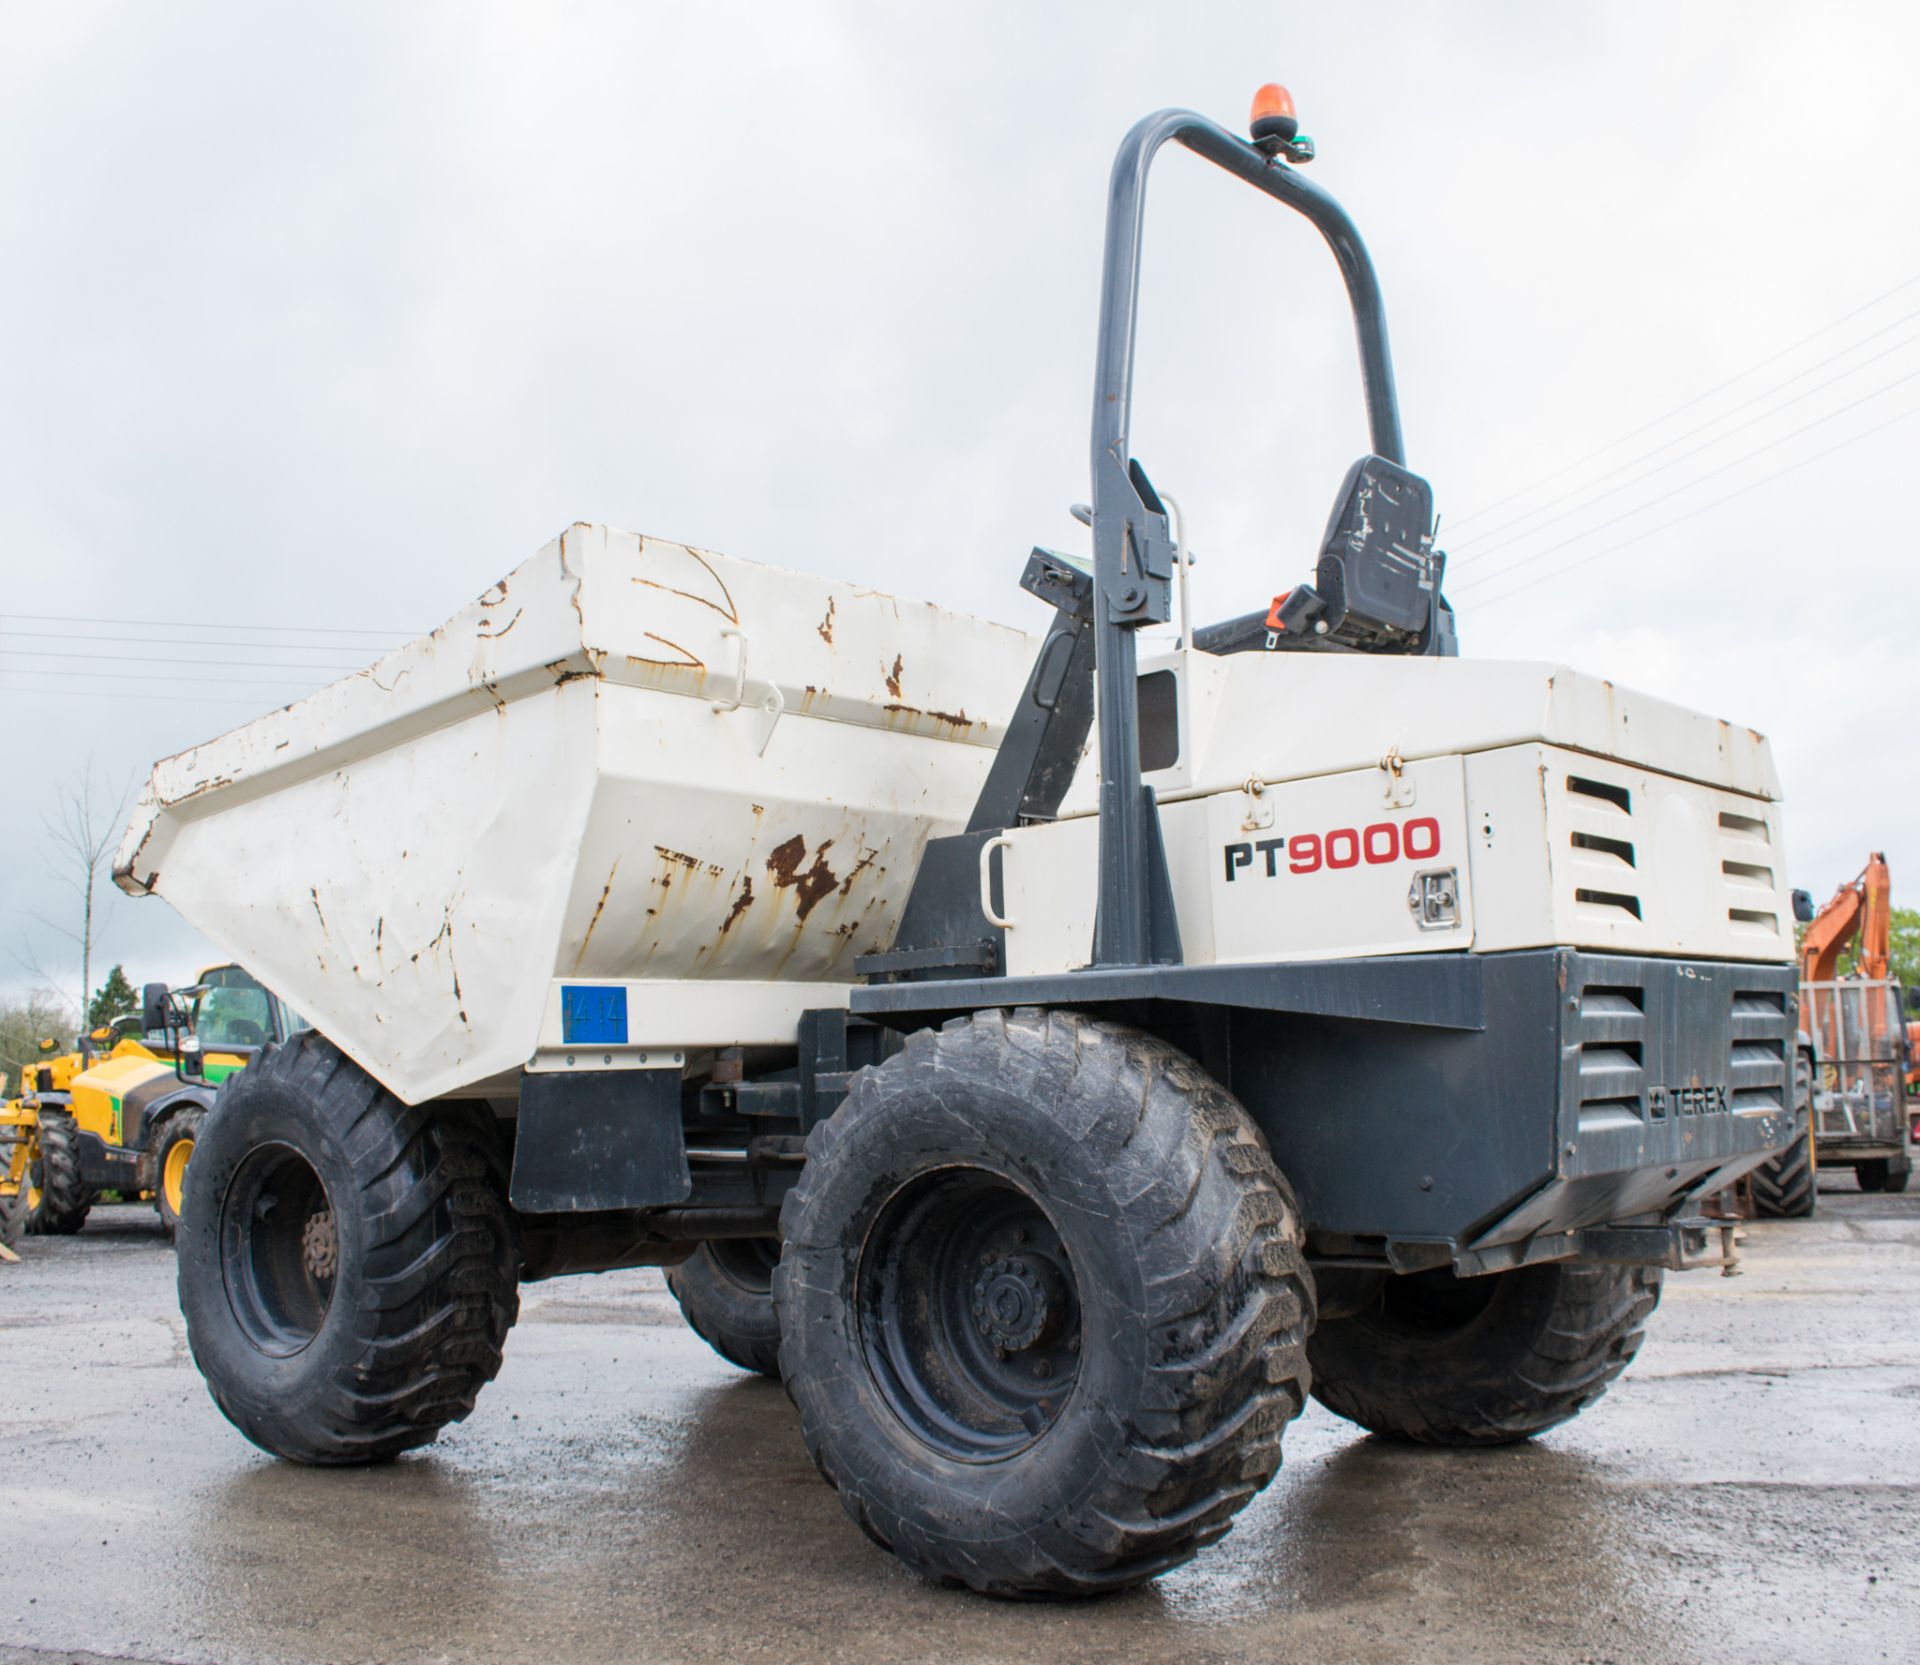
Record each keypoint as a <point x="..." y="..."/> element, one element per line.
<point x="83" y="830"/>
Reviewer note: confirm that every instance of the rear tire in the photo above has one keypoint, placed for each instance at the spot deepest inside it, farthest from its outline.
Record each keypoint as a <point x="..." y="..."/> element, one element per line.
<point x="1483" y="1361"/>
<point x="1783" y="1185"/>
<point x="172" y="1156"/>
<point x="348" y="1266"/>
<point x="1880" y="1175"/>
<point x="725" y="1291"/>
<point x="1042" y="1303"/>
<point x="60" y="1199"/>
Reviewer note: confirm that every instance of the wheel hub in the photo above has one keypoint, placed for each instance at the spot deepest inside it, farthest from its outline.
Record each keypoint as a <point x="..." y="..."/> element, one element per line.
<point x="320" y="1246"/>
<point x="970" y="1313"/>
<point x="1012" y="1306"/>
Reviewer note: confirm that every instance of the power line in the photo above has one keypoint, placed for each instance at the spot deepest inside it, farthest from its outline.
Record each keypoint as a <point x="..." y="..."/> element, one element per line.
<point x="180" y="641"/>
<point x="1738" y="491"/>
<point x="206" y="624"/>
<point x="157" y="676"/>
<point x="1685" y="485"/>
<point x="170" y="659"/>
<point x="116" y="694"/>
<point x="1699" y="398"/>
<point x="1713" y="422"/>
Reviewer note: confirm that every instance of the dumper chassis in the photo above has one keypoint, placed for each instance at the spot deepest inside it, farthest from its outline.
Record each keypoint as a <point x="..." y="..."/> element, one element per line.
<point x="1115" y="1146"/>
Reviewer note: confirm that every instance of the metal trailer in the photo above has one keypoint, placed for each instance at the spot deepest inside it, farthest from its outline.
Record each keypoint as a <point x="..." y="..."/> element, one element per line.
<point x="1350" y="1019"/>
<point x="1856" y="1027"/>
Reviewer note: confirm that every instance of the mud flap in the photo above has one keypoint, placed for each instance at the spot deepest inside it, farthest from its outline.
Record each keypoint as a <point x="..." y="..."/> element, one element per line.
<point x="611" y="1139"/>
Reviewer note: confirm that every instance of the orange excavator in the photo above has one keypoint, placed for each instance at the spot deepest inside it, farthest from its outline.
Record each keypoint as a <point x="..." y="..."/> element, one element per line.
<point x="1861" y="1043"/>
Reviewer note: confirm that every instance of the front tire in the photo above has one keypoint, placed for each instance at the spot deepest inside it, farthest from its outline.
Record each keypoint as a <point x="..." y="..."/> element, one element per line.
<point x="58" y="1198"/>
<point x="725" y="1291"/>
<point x="1483" y="1361"/>
<point x="348" y="1266"/>
<point x="172" y="1156"/>
<point x="1043" y="1306"/>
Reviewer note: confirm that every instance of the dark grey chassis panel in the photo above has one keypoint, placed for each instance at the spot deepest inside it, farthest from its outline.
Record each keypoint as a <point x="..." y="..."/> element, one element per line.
<point x="1482" y="1110"/>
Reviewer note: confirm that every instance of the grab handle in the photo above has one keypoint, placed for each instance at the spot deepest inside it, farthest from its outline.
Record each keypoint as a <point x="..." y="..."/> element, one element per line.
<point x="986" y="881"/>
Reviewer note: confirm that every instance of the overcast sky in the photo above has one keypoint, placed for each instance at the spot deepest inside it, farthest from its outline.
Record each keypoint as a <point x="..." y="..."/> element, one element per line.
<point x="324" y="317"/>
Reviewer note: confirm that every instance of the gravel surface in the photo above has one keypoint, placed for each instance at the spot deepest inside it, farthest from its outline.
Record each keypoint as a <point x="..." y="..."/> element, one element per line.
<point x="1751" y="1489"/>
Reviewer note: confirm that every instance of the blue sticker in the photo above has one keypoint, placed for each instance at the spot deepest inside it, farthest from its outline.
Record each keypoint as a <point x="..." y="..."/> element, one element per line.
<point x="593" y="1016"/>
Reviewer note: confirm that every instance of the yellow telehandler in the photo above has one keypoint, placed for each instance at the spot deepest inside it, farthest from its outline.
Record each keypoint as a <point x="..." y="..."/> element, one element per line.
<point x="122" y="1111"/>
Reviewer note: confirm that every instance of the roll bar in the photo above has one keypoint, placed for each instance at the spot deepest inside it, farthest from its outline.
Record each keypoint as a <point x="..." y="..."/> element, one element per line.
<point x="1132" y="546"/>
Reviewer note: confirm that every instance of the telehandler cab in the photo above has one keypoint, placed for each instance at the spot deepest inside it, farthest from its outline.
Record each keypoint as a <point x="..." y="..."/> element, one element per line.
<point x="1351" y="1019"/>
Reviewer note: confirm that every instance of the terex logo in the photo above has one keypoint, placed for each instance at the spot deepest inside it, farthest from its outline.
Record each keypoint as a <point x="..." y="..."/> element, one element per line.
<point x="1344" y="847"/>
<point x="1688" y="1101"/>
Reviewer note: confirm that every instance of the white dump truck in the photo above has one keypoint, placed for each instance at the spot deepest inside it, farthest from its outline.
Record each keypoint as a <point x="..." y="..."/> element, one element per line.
<point x="1348" y="1018"/>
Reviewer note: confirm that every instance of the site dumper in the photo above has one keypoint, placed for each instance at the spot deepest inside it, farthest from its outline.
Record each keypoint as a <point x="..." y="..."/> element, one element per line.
<point x="1348" y="1018"/>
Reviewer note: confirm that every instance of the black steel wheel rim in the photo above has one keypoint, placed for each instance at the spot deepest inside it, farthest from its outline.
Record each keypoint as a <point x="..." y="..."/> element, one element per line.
<point x="747" y="1262"/>
<point x="969" y="1313"/>
<point x="1436" y="1304"/>
<point x="279" y="1250"/>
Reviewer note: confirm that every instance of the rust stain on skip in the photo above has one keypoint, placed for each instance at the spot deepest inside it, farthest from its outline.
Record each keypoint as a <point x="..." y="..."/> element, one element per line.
<point x="599" y="908"/>
<point x="740" y="903"/>
<point x="688" y="660"/>
<point x="825" y="626"/>
<point x="811" y="886"/>
<point x="314" y="892"/>
<point x="893" y="676"/>
<point x="692" y="864"/>
<point x="859" y="867"/>
<point x="954" y="719"/>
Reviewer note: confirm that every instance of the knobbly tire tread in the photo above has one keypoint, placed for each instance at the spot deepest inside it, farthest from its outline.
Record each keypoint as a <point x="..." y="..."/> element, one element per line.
<point x="1550" y="1343"/>
<point x="1218" y="1236"/>
<point x="64" y="1198"/>
<point x="181" y="1122"/>
<point x="1783" y="1186"/>
<point x="743" y="1328"/>
<point x="423" y="1331"/>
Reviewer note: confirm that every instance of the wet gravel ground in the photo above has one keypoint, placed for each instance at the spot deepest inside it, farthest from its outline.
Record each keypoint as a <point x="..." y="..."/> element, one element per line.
<point x="1751" y="1489"/>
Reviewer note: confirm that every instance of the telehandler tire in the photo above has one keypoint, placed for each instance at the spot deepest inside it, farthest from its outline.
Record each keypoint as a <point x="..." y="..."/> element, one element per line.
<point x="58" y="1197"/>
<point x="13" y="1204"/>
<point x="1483" y="1361"/>
<point x="348" y="1267"/>
<point x="1783" y="1186"/>
<point x="172" y="1156"/>
<point x="725" y="1291"/>
<point x="1043" y="1307"/>
<point x="1880" y="1175"/>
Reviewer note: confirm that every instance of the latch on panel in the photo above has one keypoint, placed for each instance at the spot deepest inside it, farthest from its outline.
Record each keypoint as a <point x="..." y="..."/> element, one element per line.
<point x="1434" y="899"/>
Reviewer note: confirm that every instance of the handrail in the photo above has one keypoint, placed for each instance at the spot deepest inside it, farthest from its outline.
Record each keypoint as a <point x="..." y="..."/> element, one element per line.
<point x="1132" y="545"/>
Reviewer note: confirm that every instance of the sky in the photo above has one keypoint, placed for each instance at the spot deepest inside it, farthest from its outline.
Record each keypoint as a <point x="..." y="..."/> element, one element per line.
<point x="319" y="319"/>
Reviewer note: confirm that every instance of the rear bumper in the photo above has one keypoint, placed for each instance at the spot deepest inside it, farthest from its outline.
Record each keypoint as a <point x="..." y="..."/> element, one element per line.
<point x="1598" y="1101"/>
<point x="105" y="1167"/>
<point x="1674" y="1080"/>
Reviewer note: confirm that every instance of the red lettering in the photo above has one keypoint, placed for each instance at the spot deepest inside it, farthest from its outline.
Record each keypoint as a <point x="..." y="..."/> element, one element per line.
<point x="1304" y="853"/>
<point x="1427" y="831"/>
<point x="1352" y="857"/>
<point x="1380" y="843"/>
